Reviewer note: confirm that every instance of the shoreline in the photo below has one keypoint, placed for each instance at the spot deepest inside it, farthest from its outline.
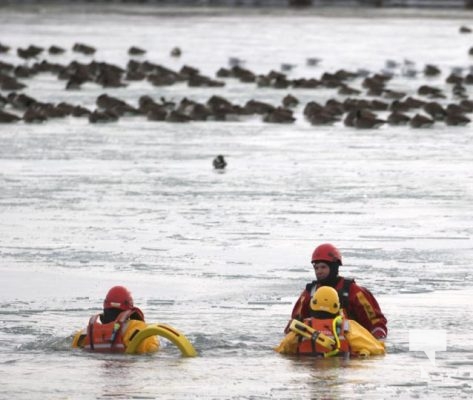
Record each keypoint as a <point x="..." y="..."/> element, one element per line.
<point x="223" y="11"/>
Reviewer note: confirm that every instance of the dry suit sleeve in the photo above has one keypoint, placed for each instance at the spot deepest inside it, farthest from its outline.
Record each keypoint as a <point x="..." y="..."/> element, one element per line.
<point x="300" y="309"/>
<point x="365" y="309"/>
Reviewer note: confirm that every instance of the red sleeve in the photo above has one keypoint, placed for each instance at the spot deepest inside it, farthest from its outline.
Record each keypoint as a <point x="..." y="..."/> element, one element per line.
<point x="365" y="309"/>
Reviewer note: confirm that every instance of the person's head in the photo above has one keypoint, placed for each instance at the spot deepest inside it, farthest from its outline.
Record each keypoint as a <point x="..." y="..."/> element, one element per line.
<point x="325" y="303"/>
<point x="326" y="260"/>
<point x="118" y="297"/>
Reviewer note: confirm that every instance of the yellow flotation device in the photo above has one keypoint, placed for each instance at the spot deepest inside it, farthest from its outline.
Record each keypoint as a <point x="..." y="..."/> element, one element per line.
<point x="133" y="344"/>
<point x="165" y="331"/>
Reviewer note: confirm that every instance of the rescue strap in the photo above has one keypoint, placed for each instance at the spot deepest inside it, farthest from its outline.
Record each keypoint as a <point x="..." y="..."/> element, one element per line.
<point x="344" y="293"/>
<point x="90" y="330"/>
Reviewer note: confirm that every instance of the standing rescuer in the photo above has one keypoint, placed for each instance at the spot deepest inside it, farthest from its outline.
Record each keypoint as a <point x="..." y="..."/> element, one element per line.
<point x="327" y="333"/>
<point x="357" y="302"/>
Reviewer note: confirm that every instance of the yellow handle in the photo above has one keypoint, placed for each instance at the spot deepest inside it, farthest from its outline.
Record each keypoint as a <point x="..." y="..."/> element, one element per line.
<point x="167" y="332"/>
<point x="309" y="333"/>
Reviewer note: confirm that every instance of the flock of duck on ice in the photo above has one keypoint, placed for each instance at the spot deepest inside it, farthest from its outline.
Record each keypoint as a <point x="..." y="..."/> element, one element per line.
<point x="356" y="106"/>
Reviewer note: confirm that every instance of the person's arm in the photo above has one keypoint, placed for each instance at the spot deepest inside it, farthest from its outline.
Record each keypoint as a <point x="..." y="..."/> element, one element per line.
<point x="365" y="309"/>
<point x="300" y="310"/>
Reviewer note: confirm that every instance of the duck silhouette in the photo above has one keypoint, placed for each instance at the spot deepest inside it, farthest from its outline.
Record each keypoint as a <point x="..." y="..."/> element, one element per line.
<point x="289" y="101"/>
<point x="219" y="162"/>
<point x="84" y="49"/>
<point x="398" y="118"/>
<point x="431" y="70"/>
<point x="421" y="121"/>
<point x="31" y="51"/>
<point x="455" y="118"/>
<point x="176" y="52"/>
<point x="4" y="48"/>
<point x="55" y="50"/>
<point x="136" y="51"/>
<point x="6" y="117"/>
<point x="313" y="61"/>
<point x="363" y="119"/>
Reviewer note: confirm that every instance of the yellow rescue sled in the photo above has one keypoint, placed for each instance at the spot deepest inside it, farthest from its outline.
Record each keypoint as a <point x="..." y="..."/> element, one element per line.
<point x="167" y="332"/>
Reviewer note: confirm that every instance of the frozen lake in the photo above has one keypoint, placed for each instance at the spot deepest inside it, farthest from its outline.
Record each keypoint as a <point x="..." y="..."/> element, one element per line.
<point x="223" y="256"/>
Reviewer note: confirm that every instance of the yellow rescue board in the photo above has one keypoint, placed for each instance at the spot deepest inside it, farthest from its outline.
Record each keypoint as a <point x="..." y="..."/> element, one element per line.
<point x="167" y="332"/>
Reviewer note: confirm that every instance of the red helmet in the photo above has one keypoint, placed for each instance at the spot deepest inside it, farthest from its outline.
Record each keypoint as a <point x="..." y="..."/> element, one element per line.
<point x="327" y="252"/>
<point x="118" y="297"/>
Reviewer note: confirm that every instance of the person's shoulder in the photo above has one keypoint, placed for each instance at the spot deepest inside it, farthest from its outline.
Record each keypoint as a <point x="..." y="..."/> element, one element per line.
<point x="348" y="279"/>
<point x="349" y="283"/>
<point x="352" y="286"/>
<point x="309" y="286"/>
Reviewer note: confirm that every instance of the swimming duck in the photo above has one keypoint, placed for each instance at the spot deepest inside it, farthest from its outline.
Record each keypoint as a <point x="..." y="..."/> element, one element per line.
<point x="421" y="121"/>
<point x="219" y="162"/>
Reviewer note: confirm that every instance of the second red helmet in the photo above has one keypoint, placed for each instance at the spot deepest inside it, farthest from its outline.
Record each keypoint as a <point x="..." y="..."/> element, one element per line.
<point x="327" y="252"/>
<point x="118" y="297"/>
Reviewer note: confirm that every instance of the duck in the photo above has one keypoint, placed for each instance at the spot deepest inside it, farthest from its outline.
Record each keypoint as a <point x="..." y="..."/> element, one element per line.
<point x="279" y="116"/>
<point x="287" y="67"/>
<point x="435" y="110"/>
<point x="258" y="107"/>
<point x="467" y="105"/>
<point x="421" y="121"/>
<point x="4" y="48"/>
<point x="118" y="106"/>
<point x="103" y="116"/>
<point x="219" y="162"/>
<point x="363" y="119"/>
<point x="80" y="111"/>
<point x="348" y="90"/>
<point x="178" y="117"/>
<point x="430" y="91"/>
<point x="6" y="118"/>
<point x="456" y="119"/>
<point x="431" y="70"/>
<point x="398" y="118"/>
<point x="20" y="101"/>
<point x="55" y="50"/>
<point x="8" y="83"/>
<point x="84" y="49"/>
<point x="136" y="51"/>
<point x="235" y="62"/>
<point x="289" y="101"/>
<point x="34" y="115"/>
<point x="324" y="117"/>
<point x="243" y="74"/>
<point x="176" y="52"/>
<point x="313" y="61"/>
<point x="30" y="52"/>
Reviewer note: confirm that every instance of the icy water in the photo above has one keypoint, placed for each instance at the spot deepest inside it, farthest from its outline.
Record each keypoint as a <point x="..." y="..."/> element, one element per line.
<point x="223" y="256"/>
